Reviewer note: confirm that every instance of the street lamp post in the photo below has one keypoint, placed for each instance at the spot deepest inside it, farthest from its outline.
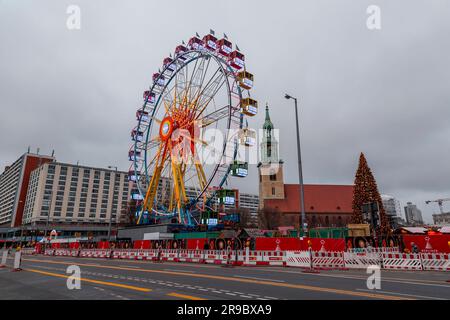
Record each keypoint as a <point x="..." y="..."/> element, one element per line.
<point x="300" y="172"/>
<point x="110" y="215"/>
<point x="49" y="202"/>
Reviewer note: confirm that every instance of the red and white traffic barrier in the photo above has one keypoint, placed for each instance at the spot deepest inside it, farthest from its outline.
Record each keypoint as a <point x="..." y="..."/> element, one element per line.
<point x="274" y="258"/>
<point x="104" y="253"/>
<point x="141" y="254"/>
<point x="169" y="255"/>
<point x="250" y="258"/>
<point x="435" y="261"/>
<point x="305" y="259"/>
<point x="62" y="252"/>
<point x="74" y="253"/>
<point x="49" y="252"/>
<point x="120" y="254"/>
<point x="212" y="256"/>
<point x="88" y="253"/>
<point x="196" y="256"/>
<point x="402" y="261"/>
<point x="301" y="259"/>
<point x="361" y="260"/>
<point x="183" y="256"/>
<point x="328" y="260"/>
<point x="28" y="251"/>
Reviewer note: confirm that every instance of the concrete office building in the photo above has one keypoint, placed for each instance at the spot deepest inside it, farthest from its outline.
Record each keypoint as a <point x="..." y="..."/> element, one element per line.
<point x="71" y="194"/>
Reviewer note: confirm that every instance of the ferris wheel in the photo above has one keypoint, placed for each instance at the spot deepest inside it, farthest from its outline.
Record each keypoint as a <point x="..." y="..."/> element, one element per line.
<point x="189" y="130"/>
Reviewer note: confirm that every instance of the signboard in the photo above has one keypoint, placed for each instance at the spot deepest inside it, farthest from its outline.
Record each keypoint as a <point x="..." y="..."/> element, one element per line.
<point x="212" y="222"/>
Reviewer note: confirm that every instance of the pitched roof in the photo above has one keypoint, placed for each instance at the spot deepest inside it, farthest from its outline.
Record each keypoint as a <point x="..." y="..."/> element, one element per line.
<point x="445" y="229"/>
<point x="419" y="230"/>
<point x="254" y="233"/>
<point x="319" y="198"/>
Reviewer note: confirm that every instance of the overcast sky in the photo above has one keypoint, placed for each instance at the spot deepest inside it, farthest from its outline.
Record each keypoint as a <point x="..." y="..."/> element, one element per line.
<point x="384" y="92"/>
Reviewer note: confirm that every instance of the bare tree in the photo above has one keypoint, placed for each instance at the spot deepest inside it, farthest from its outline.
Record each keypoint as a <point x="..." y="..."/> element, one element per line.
<point x="128" y="214"/>
<point x="269" y="219"/>
<point x="246" y="220"/>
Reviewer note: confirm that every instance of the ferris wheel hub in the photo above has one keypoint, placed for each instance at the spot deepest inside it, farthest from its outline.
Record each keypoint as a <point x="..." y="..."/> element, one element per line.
<point x="166" y="128"/>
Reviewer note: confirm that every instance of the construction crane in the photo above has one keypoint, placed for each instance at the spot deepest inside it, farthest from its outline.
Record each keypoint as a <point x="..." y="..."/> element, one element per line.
<point x="439" y="202"/>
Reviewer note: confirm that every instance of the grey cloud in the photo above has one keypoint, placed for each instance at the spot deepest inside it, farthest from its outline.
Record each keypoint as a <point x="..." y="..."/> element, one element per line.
<point x="382" y="92"/>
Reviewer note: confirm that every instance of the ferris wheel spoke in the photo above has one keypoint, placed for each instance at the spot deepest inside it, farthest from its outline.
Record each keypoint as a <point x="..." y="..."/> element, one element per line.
<point x="153" y="143"/>
<point x="202" y="80"/>
<point x="189" y="83"/>
<point x="197" y="79"/>
<point x="200" y="91"/>
<point x="209" y="94"/>
<point x="214" y="116"/>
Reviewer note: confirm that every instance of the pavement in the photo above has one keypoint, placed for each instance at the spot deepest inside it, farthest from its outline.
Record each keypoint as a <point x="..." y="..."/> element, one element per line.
<point x="46" y="277"/>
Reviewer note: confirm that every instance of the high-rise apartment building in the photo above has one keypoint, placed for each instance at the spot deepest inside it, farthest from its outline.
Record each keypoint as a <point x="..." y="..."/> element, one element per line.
<point x="64" y="193"/>
<point x="14" y="183"/>
<point x="413" y="215"/>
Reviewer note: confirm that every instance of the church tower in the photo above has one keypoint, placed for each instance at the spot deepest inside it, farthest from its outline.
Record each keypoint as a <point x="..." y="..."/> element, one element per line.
<point x="271" y="183"/>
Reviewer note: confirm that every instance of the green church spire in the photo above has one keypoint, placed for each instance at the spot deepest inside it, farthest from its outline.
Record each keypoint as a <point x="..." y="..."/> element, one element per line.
<point x="269" y="146"/>
<point x="268" y="125"/>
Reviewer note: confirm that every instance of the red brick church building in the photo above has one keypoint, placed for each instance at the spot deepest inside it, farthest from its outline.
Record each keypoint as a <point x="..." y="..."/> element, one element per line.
<point x="325" y="205"/>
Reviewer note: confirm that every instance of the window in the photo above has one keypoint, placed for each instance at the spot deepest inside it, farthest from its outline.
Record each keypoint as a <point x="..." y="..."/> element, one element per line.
<point x="273" y="191"/>
<point x="273" y="177"/>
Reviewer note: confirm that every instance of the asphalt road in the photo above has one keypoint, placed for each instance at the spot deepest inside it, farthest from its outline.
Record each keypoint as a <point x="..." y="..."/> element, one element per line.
<point x="45" y="277"/>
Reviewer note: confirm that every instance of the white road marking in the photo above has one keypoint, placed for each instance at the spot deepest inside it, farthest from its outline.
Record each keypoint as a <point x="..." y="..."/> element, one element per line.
<point x="400" y="294"/>
<point x="230" y="294"/>
<point x="255" y="278"/>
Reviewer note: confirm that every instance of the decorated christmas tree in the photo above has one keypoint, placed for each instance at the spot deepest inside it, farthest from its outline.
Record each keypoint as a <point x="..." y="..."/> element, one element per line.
<point x="366" y="191"/>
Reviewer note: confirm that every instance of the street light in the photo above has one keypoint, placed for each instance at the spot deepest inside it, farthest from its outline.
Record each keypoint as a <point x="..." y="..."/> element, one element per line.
<point x="110" y="215"/>
<point x="49" y="203"/>
<point x="300" y="172"/>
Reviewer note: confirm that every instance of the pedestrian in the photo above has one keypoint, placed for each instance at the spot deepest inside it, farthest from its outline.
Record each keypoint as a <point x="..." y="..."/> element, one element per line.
<point x="159" y="253"/>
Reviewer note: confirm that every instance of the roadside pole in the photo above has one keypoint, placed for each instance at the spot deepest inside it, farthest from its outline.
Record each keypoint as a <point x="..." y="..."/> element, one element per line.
<point x="17" y="261"/>
<point x="247" y="252"/>
<point x="311" y="265"/>
<point x="4" y="258"/>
